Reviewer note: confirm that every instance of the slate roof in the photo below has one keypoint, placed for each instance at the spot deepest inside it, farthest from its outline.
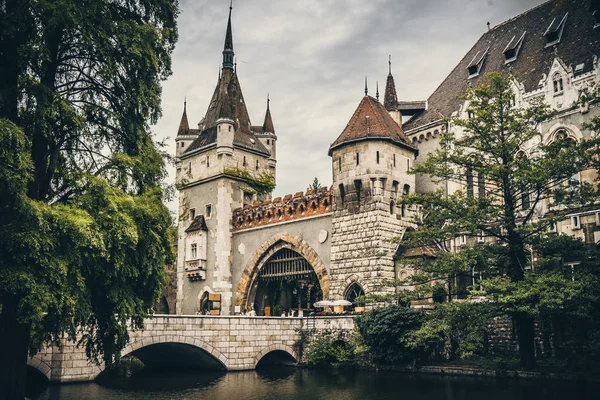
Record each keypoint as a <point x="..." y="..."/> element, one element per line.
<point x="184" y="126"/>
<point x="371" y="121"/>
<point x="390" y="100"/>
<point x="227" y="102"/>
<point x="579" y="43"/>
<point x="197" y="224"/>
<point x="268" y="123"/>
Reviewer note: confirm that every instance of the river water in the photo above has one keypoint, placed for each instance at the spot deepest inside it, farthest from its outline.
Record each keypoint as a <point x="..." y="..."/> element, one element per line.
<point x="289" y="383"/>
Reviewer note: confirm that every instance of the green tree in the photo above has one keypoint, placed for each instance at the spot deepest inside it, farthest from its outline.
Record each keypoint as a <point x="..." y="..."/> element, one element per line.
<point x="315" y="185"/>
<point x="523" y="195"/>
<point x="83" y="230"/>
<point x="386" y="331"/>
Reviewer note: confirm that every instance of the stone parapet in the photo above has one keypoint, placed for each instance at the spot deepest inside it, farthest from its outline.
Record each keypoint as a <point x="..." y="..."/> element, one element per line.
<point x="290" y="207"/>
<point x="227" y="342"/>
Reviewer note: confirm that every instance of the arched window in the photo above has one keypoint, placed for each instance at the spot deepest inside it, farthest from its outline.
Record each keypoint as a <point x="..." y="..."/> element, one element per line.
<point x="392" y="206"/>
<point x="406" y="190"/>
<point x="353" y="292"/>
<point x="557" y="81"/>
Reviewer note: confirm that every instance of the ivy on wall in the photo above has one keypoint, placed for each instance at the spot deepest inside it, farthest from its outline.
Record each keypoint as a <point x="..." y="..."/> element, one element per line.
<point x="262" y="183"/>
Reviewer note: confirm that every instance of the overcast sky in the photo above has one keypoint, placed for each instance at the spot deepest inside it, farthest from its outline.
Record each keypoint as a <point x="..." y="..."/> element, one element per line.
<point x="312" y="57"/>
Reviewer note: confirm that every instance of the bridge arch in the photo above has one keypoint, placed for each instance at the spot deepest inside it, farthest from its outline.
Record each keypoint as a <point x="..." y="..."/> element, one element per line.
<point x="267" y="249"/>
<point x="277" y="347"/>
<point x="184" y="346"/>
<point x="36" y="362"/>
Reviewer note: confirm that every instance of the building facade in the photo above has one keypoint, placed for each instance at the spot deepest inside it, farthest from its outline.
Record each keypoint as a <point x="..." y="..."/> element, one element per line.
<point x="239" y="248"/>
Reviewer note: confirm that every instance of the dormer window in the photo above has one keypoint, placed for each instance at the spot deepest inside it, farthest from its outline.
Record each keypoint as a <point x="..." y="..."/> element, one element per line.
<point x="555" y="30"/>
<point x="578" y="69"/>
<point x="512" y="49"/>
<point x="557" y="81"/>
<point x="476" y="63"/>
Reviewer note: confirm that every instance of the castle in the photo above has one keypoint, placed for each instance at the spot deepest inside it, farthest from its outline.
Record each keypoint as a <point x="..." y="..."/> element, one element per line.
<point x="239" y="248"/>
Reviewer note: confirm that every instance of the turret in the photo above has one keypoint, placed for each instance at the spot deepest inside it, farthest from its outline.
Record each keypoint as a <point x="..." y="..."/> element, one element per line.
<point x="225" y="132"/>
<point x="266" y="135"/>
<point x="184" y="135"/>
<point x="370" y="160"/>
<point x="390" y="100"/>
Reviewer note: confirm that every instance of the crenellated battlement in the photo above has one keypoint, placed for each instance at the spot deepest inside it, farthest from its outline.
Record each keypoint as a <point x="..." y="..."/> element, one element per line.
<point x="290" y="207"/>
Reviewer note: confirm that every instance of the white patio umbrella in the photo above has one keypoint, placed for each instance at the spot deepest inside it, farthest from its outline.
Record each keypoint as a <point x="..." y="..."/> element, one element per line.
<point x="342" y="303"/>
<point x="323" y="303"/>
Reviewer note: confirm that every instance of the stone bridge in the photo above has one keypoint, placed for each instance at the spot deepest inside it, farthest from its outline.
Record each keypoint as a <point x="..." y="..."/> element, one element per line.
<point x="230" y="343"/>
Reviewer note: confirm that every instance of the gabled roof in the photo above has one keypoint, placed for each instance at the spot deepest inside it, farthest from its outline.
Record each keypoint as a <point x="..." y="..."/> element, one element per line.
<point x="579" y="43"/>
<point x="371" y="121"/>
<point x="197" y="224"/>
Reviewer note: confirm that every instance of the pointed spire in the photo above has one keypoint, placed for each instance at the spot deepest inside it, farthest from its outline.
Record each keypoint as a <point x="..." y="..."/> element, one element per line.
<point x="228" y="48"/>
<point x="390" y="101"/>
<point x="377" y="92"/>
<point x="366" y="87"/>
<point x="268" y="123"/>
<point x="184" y="126"/>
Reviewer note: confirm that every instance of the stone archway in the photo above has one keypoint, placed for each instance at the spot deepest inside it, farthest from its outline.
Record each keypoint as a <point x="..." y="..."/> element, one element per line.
<point x="270" y="247"/>
<point x="42" y="366"/>
<point x="177" y="339"/>
<point x="272" y="348"/>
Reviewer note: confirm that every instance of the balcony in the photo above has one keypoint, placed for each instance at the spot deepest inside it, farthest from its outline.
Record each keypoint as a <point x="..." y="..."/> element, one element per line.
<point x="195" y="270"/>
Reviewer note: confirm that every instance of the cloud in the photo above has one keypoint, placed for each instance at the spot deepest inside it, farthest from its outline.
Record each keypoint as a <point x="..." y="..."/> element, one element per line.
<point x="312" y="57"/>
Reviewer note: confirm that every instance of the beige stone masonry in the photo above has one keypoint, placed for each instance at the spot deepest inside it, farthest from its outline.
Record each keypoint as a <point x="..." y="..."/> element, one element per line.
<point x="238" y="343"/>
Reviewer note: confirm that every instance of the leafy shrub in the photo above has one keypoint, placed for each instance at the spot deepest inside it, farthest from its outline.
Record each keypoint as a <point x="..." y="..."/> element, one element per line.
<point x="454" y="330"/>
<point x="385" y="331"/>
<point x="324" y="350"/>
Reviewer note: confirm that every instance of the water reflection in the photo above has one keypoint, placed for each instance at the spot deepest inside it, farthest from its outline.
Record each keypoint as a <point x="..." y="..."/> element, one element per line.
<point x="283" y="383"/>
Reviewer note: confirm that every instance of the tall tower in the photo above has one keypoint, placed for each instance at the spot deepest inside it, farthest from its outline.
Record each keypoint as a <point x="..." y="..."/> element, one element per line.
<point x="371" y="159"/>
<point x="212" y="163"/>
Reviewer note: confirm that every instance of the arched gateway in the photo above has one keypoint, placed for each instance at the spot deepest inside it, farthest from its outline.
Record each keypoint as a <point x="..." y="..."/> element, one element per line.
<point x="284" y="270"/>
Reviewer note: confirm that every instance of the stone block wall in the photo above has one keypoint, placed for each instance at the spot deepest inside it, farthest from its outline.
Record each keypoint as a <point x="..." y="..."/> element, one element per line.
<point x="362" y="250"/>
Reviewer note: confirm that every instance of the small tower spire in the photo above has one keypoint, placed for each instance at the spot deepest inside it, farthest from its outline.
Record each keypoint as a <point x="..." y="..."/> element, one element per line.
<point x="228" y="48"/>
<point x="268" y="122"/>
<point x="184" y="126"/>
<point x="377" y="92"/>
<point x="390" y="98"/>
<point x="366" y="87"/>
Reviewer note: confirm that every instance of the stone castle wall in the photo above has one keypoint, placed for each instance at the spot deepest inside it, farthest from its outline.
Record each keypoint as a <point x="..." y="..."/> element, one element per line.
<point x="290" y="207"/>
